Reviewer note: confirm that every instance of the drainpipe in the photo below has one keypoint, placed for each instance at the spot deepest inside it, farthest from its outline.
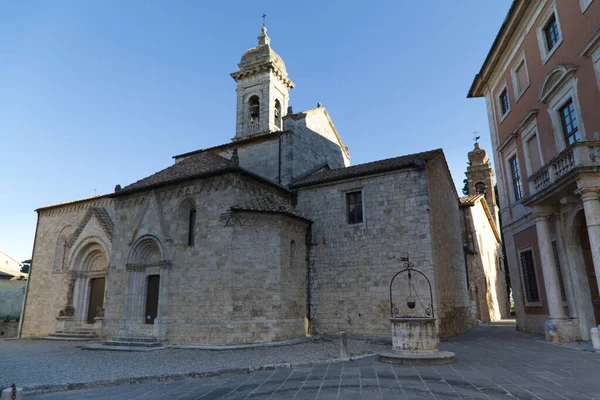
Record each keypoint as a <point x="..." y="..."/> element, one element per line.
<point x="30" y="274"/>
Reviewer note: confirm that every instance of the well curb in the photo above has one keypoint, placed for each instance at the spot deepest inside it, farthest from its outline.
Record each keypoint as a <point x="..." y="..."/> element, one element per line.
<point x="37" y="389"/>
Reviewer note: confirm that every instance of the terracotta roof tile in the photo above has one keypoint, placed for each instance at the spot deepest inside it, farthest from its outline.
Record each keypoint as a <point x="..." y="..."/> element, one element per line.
<point x="390" y="164"/>
<point x="269" y="205"/>
<point x="197" y="165"/>
<point x="469" y="200"/>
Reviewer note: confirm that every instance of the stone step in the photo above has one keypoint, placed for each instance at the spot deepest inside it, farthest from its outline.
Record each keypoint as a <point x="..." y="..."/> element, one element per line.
<point x="87" y="335"/>
<point x="135" y="339"/>
<point x="69" y="339"/>
<point x="77" y="331"/>
<point x="121" y="343"/>
<point x="103" y="347"/>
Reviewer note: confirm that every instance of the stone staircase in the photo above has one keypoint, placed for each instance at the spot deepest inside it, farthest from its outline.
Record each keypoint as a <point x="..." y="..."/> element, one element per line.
<point x="128" y="343"/>
<point x="73" y="335"/>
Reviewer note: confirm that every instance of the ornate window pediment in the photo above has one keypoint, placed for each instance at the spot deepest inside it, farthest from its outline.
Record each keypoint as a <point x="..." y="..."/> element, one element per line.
<point x="555" y="78"/>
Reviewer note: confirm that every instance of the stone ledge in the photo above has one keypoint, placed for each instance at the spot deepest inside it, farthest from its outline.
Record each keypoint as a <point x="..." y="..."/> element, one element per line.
<point x="436" y="358"/>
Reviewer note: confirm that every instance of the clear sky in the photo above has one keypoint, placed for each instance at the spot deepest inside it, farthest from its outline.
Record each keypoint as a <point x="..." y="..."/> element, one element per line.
<point x="97" y="93"/>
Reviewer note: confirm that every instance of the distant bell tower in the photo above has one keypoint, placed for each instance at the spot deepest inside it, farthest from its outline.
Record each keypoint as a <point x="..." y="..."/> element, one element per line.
<point x="480" y="176"/>
<point x="262" y="90"/>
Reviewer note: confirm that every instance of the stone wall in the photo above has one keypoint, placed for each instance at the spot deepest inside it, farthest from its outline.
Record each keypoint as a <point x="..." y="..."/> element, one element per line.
<point x="452" y="297"/>
<point x="50" y="271"/>
<point x="9" y="329"/>
<point x="352" y="264"/>
<point x="487" y="283"/>
<point x="311" y="143"/>
<point x="238" y="283"/>
<point x="260" y="157"/>
<point x="11" y="297"/>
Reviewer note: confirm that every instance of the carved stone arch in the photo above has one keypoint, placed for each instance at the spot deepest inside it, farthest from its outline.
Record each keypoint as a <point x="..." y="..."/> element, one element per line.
<point x="147" y="250"/>
<point x="85" y="254"/>
<point x="554" y="79"/>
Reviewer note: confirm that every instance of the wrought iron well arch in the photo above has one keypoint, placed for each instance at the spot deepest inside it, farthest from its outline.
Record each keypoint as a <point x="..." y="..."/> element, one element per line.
<point x="413" y="295"/>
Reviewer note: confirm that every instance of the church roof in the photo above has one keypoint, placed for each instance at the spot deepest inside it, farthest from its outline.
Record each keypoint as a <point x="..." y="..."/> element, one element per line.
<point x="196" y="166"/>
<point x="469" y="200"/>
<point x="390" y="164"/>
<point x="269" y="205"/>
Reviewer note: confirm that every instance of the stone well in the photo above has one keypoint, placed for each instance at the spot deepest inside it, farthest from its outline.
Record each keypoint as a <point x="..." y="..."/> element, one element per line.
<point x="415" y="341"/>
<point x="414" y="332"/>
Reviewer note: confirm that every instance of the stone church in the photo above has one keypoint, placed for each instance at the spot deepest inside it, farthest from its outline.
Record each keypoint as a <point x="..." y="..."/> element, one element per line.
<point x="268" y="237"/>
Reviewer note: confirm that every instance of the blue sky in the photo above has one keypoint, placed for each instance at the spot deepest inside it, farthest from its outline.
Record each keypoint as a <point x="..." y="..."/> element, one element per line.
<point x="95" y="93"/>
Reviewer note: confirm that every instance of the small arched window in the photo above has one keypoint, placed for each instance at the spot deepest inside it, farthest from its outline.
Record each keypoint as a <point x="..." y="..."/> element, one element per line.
<point x="254" y="109"/>
<point x="480" y="188"/>
<point x="191" y="226"/>
<point x="277" y="114"/>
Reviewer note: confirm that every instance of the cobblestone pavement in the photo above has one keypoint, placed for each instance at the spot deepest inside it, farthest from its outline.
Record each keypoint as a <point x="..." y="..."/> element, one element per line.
<point x="61" y="363"/>
<point x="493" y="362"/>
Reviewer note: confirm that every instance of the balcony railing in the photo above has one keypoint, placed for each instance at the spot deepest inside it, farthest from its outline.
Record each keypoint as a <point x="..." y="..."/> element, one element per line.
<point x="580" y="154"/>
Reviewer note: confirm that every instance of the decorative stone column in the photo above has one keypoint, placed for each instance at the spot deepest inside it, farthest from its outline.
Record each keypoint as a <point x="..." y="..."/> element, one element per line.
<point x="591" y="208"/>
<point x="557" y="327"/>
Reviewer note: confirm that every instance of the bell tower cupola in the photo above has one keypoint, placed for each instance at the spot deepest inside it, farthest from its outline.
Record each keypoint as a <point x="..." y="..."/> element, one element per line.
<point x="480" y="176"/>
<point x="262" y="90"/>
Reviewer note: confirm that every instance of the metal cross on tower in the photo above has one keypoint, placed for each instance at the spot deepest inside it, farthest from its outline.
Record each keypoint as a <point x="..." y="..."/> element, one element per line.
<point x="476" y="137"/>
<point x="264" y="17"/>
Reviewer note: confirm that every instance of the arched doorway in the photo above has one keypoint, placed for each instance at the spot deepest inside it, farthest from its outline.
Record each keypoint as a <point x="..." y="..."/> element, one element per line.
<point x="144" y="295"/>
<point x="87" y="287"/>
<point x="589" y="265"/>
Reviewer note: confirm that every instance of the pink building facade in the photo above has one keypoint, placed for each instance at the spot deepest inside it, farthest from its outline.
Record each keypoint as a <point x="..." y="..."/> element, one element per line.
<point x="541" y="83"/>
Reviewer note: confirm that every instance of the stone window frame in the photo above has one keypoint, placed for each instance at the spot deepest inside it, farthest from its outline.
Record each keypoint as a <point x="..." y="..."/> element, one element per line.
<point x="522" y="60"/>
<point x="509" y="154"/>
<point x="546" y="53"/>
<point x="503" y="87"/>
<point x="592" y="49"/>
<point x="585" y="4"/>
<point x="556" y="100"/>
<point x="528" y="303"/>
<point x="530" y="130"/>
<point x="345" y="194"/>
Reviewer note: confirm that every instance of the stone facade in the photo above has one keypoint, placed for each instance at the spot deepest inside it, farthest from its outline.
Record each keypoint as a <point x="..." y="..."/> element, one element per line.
<point x="412" y="212"/>
<point x="251" y="241"/>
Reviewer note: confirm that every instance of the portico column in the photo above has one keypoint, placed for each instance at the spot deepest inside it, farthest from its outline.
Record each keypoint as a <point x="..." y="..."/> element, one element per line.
<point x="591" y="208"/>
<point x="549" y="268"/>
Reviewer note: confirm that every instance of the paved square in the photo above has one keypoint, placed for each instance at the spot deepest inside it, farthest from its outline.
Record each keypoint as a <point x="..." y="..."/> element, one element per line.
<point x="493" y="362"/>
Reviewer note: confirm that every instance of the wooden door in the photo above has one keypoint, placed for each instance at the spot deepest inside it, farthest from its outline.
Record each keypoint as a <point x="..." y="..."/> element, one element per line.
<point x="152" y="298"/>
<point x="96" y="298"/>
<point x="591" y="272"/>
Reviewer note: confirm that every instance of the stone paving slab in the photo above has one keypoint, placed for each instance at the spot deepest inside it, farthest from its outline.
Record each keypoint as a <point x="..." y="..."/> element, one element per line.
<point x="493" y="362"/>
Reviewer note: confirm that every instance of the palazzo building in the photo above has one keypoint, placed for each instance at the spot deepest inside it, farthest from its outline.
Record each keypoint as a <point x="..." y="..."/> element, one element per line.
<point x="541" y="82"/>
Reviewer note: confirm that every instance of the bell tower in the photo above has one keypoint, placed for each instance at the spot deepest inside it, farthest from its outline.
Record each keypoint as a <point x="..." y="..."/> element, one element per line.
<point x="480" y="176"/>
<point x="262" y="90"/>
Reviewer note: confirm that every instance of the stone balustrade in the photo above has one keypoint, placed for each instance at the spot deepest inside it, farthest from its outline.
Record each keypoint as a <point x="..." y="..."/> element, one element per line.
<point x="580" y="154"/>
